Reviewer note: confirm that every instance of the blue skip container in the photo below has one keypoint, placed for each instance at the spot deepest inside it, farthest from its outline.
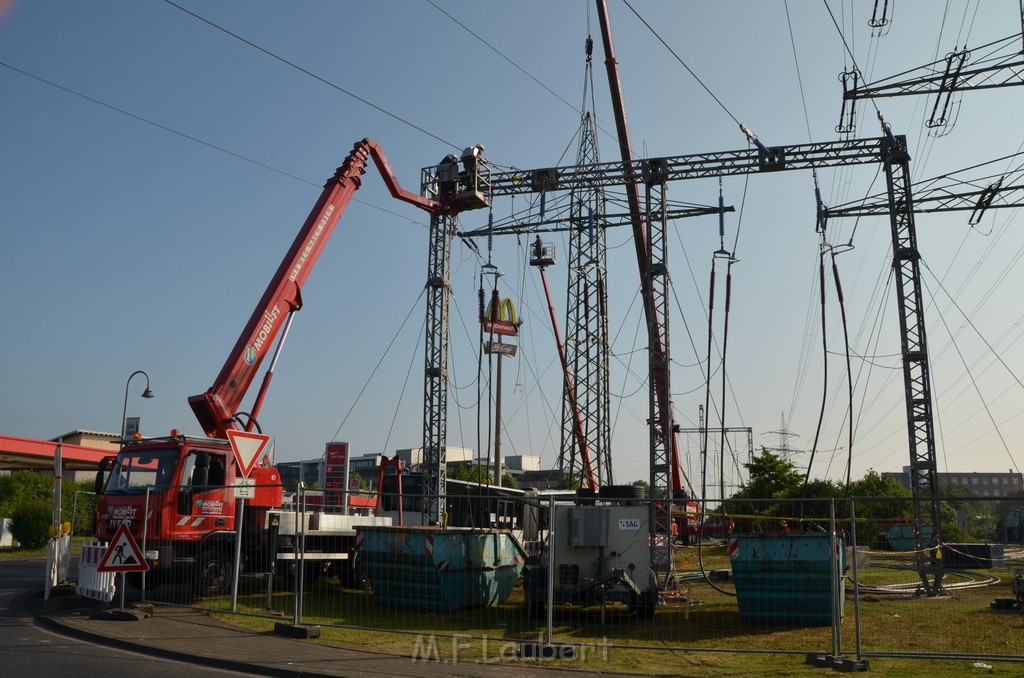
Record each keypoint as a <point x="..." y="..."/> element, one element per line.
<point x="439" y="569"/>
<point x="788" y="577"/>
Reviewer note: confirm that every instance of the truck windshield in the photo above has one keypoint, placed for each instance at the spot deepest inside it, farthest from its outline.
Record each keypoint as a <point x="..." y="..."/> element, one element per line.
<point x="135" y="470"/>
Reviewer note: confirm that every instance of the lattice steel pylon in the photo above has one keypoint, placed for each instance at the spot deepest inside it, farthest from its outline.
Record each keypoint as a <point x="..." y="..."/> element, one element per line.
<point x="891" y="152"/>
<point x="906" y="259"/>
<point x="435" y="381"/>
<point x="457" y="193"/>
<point x="586" y="340"/>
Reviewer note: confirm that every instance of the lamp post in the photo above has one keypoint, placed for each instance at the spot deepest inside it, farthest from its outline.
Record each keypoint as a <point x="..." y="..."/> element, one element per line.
<point x="145" y="394"/>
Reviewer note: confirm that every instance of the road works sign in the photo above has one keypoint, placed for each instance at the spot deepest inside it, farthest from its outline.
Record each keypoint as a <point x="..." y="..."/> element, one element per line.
<point x="123" y="554"/>
<point x="247" y="448"/>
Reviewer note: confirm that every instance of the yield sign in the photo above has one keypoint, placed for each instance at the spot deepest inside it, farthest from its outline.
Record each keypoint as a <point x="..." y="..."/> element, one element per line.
<point x="247" y="448"/>
<point x="123" y="554"/>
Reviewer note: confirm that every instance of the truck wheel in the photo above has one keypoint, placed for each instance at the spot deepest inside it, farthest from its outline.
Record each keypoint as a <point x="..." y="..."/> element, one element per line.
<point x="213" y="573"/>
<point x="349" y="572"/>
<point x="312" y="570"/>
<point x="645" y="603"/>
<point x="535" y="589"/>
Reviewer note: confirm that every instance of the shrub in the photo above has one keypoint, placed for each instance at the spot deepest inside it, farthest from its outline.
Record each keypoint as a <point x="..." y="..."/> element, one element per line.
<point x="22" y="487"/>
<point x="30" y="523"/>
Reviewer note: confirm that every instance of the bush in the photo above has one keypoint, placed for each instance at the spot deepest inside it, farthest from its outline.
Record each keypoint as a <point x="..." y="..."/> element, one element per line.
<point x="30" y="523"/>
<point x="23" y="487"/>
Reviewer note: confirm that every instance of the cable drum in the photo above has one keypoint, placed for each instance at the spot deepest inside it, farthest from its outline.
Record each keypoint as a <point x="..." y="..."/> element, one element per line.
<point x="623" y="492"/>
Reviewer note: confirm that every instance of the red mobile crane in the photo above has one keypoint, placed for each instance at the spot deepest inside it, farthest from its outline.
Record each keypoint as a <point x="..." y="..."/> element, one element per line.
<point x="174" y="492"/>
<point x="218" y="408"/>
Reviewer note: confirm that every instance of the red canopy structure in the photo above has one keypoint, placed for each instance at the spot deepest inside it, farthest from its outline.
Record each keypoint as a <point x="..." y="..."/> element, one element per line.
<point x="28" y="453"/>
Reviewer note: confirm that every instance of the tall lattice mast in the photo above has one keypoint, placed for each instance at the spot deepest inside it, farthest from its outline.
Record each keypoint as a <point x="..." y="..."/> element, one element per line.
<point x="586" y="341"/>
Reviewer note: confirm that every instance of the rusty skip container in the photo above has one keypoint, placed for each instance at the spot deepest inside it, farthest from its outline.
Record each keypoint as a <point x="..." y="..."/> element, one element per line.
<point x="439" y="569"/>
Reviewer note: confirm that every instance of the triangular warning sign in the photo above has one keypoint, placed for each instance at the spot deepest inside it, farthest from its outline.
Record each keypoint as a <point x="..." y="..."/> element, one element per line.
<point x="247" y="448"/>
<point x="123" y="554"/>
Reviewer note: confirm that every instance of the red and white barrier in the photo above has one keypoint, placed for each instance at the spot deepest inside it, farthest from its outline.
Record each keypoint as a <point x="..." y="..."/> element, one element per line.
<point x="93" y="584"/>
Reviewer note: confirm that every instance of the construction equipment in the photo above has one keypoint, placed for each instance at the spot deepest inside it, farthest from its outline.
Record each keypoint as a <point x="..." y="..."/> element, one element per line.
<point x="175" y="493"/>
<point x="596" y="552"/>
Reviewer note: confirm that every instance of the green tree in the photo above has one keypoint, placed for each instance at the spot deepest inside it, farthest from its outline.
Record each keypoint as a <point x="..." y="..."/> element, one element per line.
<point x="879" y="503"/>
<point x="874" y="484"/>
<point x="472" y="473"/>
<point x="769" y="476"/>
<point x="569" y="483"/>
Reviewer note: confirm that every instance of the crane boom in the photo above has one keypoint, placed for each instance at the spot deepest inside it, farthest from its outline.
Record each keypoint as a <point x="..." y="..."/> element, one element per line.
<point x="217" y="408"/>
<point x="658" y="363"/>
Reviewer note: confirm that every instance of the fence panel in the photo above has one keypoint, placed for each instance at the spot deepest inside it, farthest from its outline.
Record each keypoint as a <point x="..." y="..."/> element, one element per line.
<point x="825" y="577"/>
<point x="977" y="614"/>
<point x="609" y="587"/>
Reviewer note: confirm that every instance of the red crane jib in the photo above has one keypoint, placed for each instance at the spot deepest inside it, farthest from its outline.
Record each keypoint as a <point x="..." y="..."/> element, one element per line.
<point x="216" y="409"/>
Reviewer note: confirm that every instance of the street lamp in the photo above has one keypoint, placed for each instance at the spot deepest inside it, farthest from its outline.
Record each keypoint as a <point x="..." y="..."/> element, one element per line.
<point x="145" y="394"/>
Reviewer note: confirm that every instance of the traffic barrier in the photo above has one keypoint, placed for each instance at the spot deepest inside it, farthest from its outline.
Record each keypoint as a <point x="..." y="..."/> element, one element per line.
<point x="93" y="584"/>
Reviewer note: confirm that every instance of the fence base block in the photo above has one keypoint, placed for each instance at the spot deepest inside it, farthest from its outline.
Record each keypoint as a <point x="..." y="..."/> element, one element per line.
<point x="841" y="664"/>
<point x="119" y="615"/>
<point x="303" y="631"/>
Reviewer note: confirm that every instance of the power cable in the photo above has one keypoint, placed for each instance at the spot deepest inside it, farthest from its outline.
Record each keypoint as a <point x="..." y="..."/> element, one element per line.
<point x="842" y="37"/>
<point x="981" y="397"/>
<point x="313" y="75"/>
<point x="195" y="139"/>
<point x="796" y="63"/>
<point x="682" y="63"/>
<point x="967" y="320"/>
<point x="500" y="54"/>
<point x="821" y="413"/>
<point x="158" y="125"/>
<point x="377" y="366"/>
<point x="849" y="372"/>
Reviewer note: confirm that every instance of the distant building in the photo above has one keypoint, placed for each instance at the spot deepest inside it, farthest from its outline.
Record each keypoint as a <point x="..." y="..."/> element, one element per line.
<point x="111" y="441"/>
<point x="413" y="457"/>
<point x="977" y="484"/>
<point x="96" y="439"/>
<point x="524" y="468"/>
<point x="365" y="465"/>
<point x="522" y="462"/>
<point x="310" y="472"/>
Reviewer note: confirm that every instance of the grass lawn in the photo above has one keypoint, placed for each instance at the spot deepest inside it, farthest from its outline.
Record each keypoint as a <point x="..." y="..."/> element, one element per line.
<point x="612" y="640"/>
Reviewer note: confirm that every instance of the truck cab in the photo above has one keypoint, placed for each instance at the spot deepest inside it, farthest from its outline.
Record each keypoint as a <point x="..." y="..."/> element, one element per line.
<point x="175" y="496"/>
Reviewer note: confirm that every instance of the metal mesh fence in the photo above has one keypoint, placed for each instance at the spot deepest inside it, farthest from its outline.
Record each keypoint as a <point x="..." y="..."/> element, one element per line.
<point x="834" y="577"/>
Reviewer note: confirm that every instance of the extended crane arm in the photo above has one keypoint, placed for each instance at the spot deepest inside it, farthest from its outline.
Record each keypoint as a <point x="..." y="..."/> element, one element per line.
<point x="216" y="409"/>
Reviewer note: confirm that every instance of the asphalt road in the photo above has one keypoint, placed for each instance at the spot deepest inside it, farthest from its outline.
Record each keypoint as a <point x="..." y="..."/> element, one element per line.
<point x="29" y="650"/>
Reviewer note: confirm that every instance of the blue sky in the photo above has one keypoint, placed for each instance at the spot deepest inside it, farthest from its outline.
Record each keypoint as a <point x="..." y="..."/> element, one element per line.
<point x="155" y="169"/>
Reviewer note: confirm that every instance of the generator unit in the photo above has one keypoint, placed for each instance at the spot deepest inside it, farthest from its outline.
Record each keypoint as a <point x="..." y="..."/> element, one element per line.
<point x="594" y="553"/>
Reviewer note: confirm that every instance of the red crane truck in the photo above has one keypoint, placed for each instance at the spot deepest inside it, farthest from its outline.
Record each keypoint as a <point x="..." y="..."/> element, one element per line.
<point x="175" y="492"/>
